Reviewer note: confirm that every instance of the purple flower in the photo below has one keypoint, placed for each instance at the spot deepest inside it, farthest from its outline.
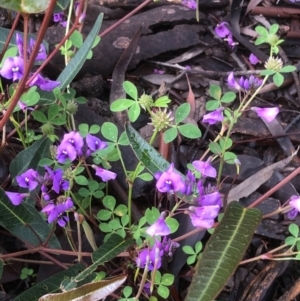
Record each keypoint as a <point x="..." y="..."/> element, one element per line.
<point x="28" y="179"/>
<point x="214" y="116"/>
<point x="204" y="216"/>
<point x="292" y="214"/>
<point x="189" y="183"/>
<point x="19" y="42"/>
<point x="160" y="227"/>
<point x="189" y="3"/>
<point x="55" y="211"/>
<point x="65" y="151"/>
<point x="104" y="174"/>
<point x="15" y="197"/>
<point x="42" y="54"/>
<point x="221" y="30"/>
<point x="211" y="199"/>
<point x="169" y="181"/>
<point x="232" y="82"/>
<point x="44" y="84"/>
<point x="267" y="114"/>
<point x="295" y="202"/>
<point x="58" y="17"/>
<point x="230" y="41"/>
<point x="205" y="168"/>
<point x="57" y="177"/>
<point x="253" y="59"/>
<point x="74" y="139"/>
<point x="94" y="143"/>
<point x="150" y="257"/>
<point x="13" y="68"/>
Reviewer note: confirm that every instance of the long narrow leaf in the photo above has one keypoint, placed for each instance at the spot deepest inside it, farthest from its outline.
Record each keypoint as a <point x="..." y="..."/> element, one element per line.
<point x="20" y="220"/>
<point x="78" y="60"/>
<point x="223" y="252"/>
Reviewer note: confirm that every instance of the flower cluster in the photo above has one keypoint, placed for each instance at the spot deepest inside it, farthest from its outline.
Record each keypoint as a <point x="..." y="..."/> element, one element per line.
<point x="13" y="67"/>
<point x="208" y="200"/>
<point x="52" y="182"/>
<point x="73" y="146"/>
<point x="151" y="258"/>
<point x="223" y="32"/>
<point x="244" y="83"/>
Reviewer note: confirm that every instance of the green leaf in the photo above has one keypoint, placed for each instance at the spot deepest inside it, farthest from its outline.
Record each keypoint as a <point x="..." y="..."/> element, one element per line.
<point x="104" y="215"/>
<point x="212" y="105"/>
<point x="261" y="30"/>
<point x="267" y="72"/>
<point x="278" y="79"/>
<point x="182" y="112"/>
<point x="50" y="285"/>
<point x="188" y="250"/>
<point x="230" y="157"/>
<point x="146" y="177"/>
<point x="76" y="63"/>
<point x="130" y="89"/>
<point x="172" y="224"/>
<point x="260" y="40"/>
<point x="273" y="29"/>
<point x="198" y="247"/>
<point x="97" y="290"/>
<point x="76" y="39"/>
<point x="162" y="101"/>
<point x="223" y="252"/>
<point x="31" y="97"/>
<point x="108" y="250"/>
<point x="134" y="112"/>
<point x="110" y="131"/>
<point x="30" y="158"/>
<point x="81" y="180"/>
<point x="215" y="148"/>
<point x="120" y="210"/>
<point x="109" y="202"/>
<point x="39" y="116"/>
<point x="163" y="291"/>
<point x="83" y="129"/>
<point x="191" y="259"/>
<point x="215" y="92"/>
<point x="225" y="143"/>
<point x="152" y="215"/>
<point x="26" y="6"/>
<point x="290" y="240"/>
<point x="170" y="134"/>
<point x="53" y="111"/>
<point x="121" y="104"/>
<point x="84" y="192"/>
<point x="123" y="140"/>
<point x="148" y="155"/>
<point x="287" y="69"/>
<point x="167" y="279"/>
<point x="228" y="97"/>
<point x="294" y="230"/>
<point x="189" y="131"/>
<point x="104" y="227"/>
<point x="94" y="129"/>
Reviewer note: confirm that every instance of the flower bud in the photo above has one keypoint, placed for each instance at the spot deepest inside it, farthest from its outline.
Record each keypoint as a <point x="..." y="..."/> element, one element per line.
<point x="72" y="107"/>
<point x="274" y="64"/>
<point x="146" y="101"/>
<point x="161" y="120"/>
<point x="47" y="129"/>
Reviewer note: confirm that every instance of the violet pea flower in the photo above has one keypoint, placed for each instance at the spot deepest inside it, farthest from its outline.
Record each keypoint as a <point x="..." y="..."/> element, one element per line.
<point x="94" y="143"/>
<point x="205" y="168"/>
<point x="15" y="197"/>
<point x="204" y="217"/>
<point x="214" y="116"/>
<point x="253" y="59"/>
<point x="104" y="174"/>
<point x="13" y="68"/>
<point x="169" y="181"/>
<point x="221" y="30"/>
<point x="160" y="227"/>
<point x="267" y="114"/>
<point x="28" y="179"/>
